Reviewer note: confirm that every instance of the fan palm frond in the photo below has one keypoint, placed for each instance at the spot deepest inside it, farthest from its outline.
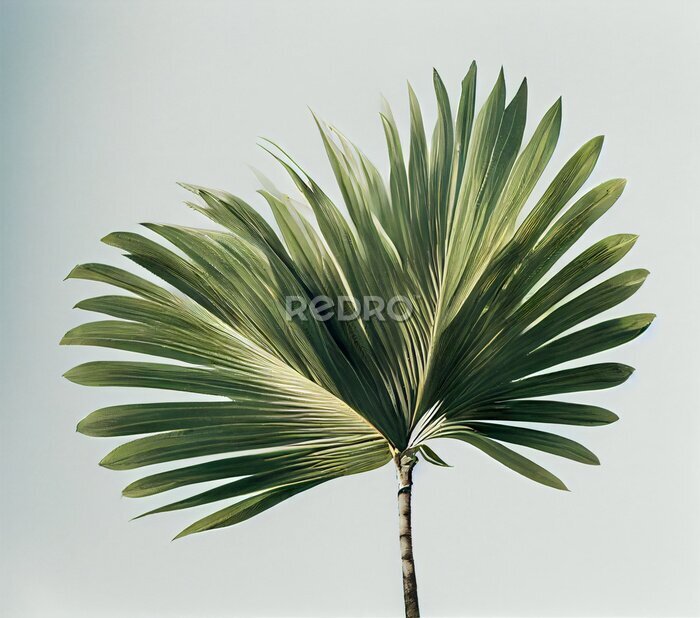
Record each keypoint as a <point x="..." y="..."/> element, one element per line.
<point x="302" y="401"/>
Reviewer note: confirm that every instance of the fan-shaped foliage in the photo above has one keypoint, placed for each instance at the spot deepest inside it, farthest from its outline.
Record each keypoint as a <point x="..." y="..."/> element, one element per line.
<point x="302" y="401"/>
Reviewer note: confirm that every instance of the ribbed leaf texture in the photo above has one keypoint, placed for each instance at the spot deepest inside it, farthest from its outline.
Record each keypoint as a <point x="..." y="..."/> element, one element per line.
<point x="295" y="403"/>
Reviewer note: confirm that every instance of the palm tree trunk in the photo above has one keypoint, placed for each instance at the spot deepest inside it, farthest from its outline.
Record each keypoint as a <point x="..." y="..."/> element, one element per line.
<point x="404" y="471"/>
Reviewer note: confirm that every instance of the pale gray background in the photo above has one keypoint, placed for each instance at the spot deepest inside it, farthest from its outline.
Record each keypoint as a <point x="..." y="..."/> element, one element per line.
<point x="106" y="105"/>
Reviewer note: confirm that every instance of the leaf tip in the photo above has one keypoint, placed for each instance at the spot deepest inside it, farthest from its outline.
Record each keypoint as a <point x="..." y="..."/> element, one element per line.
<point x="319" y="123"/>
<point x="71" y="274"/>
<point x="110" y="463"/>
<point x="110" y="239"/>
<point x="611" y="417"/>
<point x="626" y="371"/>
<point x="500" y="82"/>
<point x="183" y="533"/>
<point x="590" y="458"/>
<point x="618" y="184"/>
<point x="188" y="187"/>
<point x="470" y="77"/>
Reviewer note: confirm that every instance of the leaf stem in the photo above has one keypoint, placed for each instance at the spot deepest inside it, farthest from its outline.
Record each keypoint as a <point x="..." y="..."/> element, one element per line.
<point x="405" y="463"/>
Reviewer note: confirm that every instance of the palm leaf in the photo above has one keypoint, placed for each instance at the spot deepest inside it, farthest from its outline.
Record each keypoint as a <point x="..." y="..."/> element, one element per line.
<point x="293" y="403"/>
